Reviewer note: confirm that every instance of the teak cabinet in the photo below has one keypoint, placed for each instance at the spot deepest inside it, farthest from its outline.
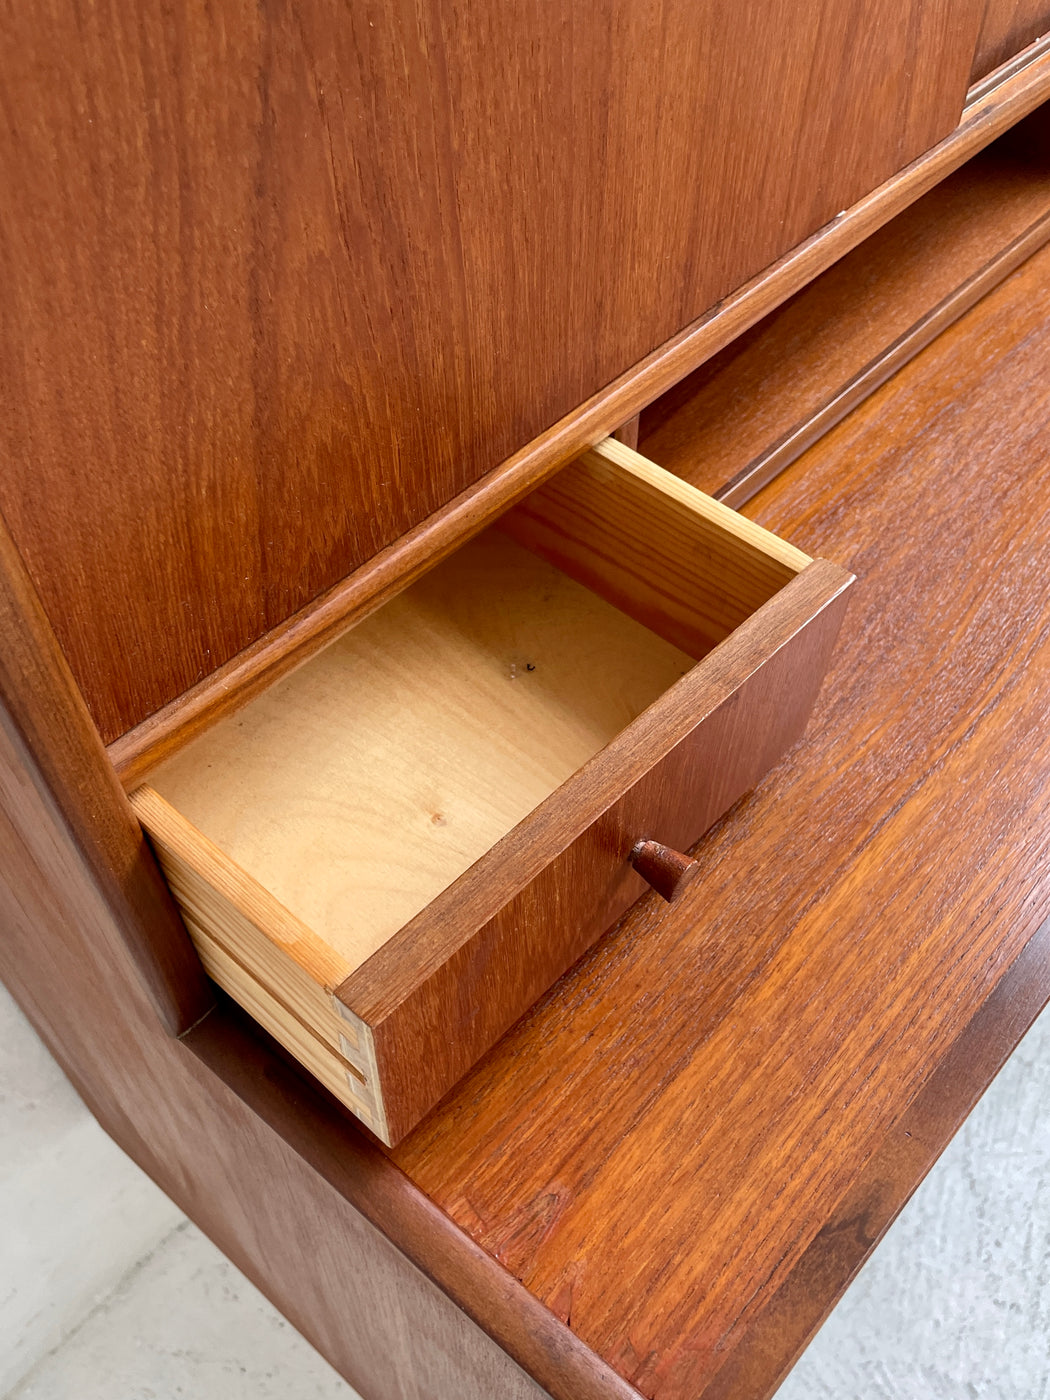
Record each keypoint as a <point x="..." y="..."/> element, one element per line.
<point x="321" y="564"/>
<point x="285" y="281"/>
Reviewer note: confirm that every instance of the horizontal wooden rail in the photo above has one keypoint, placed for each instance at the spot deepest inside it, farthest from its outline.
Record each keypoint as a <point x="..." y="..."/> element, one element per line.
<point x="779" y="456"/>
<point x="1039" y="48"/>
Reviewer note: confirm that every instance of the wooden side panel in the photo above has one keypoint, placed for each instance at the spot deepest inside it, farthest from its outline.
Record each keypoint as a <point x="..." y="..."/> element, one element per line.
<point x="1008" y="26"/>
<point x="262" y="1160"/>
<point x="437" y="998"/>
<point x="282" y="280"/>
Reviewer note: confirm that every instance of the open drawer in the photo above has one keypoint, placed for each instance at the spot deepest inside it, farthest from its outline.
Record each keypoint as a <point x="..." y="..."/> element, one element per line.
<point x="389" y="855"/>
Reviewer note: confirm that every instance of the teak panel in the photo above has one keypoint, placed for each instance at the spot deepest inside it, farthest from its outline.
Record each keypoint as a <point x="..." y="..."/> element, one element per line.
<point x="304" y="633"/>
<point x="1008" y="26"/>
<point x="677" y="1120"/>
<point x="756" y="407"/>
<point x="860" y="1219"/>
<point x="281" y="281"/>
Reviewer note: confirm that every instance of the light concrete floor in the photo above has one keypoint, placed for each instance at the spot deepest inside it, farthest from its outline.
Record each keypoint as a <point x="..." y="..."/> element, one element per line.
<point x="107" y="1293"/>
<point x="955" y="1302"/>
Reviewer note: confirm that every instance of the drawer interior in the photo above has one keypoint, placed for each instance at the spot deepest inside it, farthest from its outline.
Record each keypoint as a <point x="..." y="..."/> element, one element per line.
<point x="359" y="787"/>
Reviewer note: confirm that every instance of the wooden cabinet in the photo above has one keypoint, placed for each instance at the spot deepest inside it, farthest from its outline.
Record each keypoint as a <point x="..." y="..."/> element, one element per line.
<point x="284" y="281"/>
<point x="301" y="301"/>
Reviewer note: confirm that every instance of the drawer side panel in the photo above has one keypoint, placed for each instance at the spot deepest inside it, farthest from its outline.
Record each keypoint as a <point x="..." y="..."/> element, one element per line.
<point x="324" y="1063"/>
<point x="272" y="986"/>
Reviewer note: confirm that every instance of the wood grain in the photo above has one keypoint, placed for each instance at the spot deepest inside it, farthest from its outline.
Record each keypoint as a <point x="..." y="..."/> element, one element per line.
<point x="752" y="410"/>
<point x="284" y="282"/>
<point x="862" y="1217"/>
<point x="394" y="568"/>
<point x="46" y="713"/>
<point x="1008" y="27"/>
<point x="939" y="722"/>
<point x="935" y="721"/>
<point x="669" y="556"/>
<point x="897" y="866"/>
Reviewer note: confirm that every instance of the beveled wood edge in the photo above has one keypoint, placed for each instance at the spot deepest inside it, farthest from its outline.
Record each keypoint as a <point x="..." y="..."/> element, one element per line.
<point x="1017" y="64"/>
<point x="768" y="465"/>
<point x="755" y="536"/>
<point x="401" y="563"/>
<point x="42" y="707"/>
<point x="412" y="955"/>
<point x="325" y="1136"/>
<point x="167" y="826"/>
<point x="776" y="1338"/>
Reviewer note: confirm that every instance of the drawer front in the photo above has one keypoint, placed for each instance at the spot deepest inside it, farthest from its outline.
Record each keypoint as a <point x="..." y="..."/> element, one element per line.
<point x="726" y="723"/>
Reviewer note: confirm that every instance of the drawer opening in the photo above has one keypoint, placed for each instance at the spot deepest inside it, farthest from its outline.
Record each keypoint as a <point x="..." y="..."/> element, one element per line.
<point x="359" y="787"/>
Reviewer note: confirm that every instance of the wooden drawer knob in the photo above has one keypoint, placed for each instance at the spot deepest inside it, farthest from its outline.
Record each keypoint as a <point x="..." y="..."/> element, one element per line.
<point x="667" y="870"/>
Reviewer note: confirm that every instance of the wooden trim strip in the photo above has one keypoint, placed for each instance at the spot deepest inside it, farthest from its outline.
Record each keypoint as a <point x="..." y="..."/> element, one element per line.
<point x="401" y="563"/>
<point x="761" y="470"/>
<point x="1037" y="49"/>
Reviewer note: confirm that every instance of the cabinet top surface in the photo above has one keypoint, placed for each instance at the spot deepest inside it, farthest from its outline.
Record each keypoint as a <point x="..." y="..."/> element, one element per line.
<point x="655" y="1146"/>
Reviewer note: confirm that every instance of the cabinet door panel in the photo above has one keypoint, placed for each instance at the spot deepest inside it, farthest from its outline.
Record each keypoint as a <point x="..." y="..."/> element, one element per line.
<point x="1008" y="27"/>
<point x="280" y="280"/>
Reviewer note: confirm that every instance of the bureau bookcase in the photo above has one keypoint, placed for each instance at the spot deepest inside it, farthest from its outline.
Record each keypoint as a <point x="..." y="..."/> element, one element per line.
<point x="311" y="311"/>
